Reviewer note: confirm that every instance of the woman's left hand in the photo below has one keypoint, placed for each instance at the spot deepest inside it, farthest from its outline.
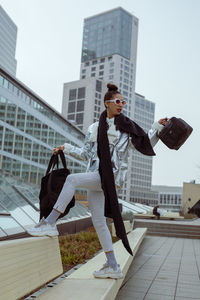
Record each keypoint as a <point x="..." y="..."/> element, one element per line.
<point x="163" y="121"/>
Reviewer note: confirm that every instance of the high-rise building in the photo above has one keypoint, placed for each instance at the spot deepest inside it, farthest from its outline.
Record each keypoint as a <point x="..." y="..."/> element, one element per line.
<point x="8" y="38"/>
<point x="109" y="51"/>
<point x="140" y="177"/>
<point x="29" y="130"/>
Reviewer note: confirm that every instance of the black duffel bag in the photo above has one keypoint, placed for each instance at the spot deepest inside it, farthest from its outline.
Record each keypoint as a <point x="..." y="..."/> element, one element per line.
<point x="175" y="133"/>
<point x="51" y="185"/>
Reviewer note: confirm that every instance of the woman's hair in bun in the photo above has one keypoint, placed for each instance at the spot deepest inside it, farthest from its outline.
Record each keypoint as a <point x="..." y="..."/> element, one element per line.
<point x="112" y="90"/>
<point x="112" y="87"/>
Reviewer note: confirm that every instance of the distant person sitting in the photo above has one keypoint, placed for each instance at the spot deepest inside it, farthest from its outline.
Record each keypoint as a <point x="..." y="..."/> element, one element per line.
<point x="155" y="212"/>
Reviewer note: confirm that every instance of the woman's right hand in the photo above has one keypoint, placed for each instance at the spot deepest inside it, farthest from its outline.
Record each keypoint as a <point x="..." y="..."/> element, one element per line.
<point x="55" y="150"/>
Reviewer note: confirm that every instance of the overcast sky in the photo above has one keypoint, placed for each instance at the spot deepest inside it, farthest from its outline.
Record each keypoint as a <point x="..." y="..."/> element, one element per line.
<point x="168" y="62"/>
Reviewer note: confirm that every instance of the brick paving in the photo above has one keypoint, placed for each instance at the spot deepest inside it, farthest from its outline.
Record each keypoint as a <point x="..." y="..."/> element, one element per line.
<point x="165" y="268"/>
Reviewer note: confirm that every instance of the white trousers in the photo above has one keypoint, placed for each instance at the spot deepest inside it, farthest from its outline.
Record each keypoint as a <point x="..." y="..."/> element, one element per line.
<point x="92" y="182"/>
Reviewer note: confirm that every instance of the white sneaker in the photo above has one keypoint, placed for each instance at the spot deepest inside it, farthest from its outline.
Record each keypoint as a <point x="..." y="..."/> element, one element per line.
<point x="107" y="272"/>
<point x="43" y="228"/>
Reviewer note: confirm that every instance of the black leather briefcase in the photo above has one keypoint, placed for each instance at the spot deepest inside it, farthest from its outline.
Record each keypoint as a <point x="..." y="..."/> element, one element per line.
<point x="175" y="133"/>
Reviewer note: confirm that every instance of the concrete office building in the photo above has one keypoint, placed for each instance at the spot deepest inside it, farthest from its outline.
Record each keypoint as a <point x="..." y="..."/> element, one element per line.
<point x="8" y="38"/>
<point x="29" y="129"/>
<point x="141" y="169"/>
<point x="170" y="197"/>
<point x="83" y="101"/>
<point x="109" y="51"/>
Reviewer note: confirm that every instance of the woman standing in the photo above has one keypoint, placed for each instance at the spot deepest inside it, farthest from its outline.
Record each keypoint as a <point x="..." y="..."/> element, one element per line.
<point x="106" y="147"/>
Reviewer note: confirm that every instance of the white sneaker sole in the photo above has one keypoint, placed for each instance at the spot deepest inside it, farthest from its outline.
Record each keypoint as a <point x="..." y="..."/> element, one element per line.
<point x="47" y="233"/>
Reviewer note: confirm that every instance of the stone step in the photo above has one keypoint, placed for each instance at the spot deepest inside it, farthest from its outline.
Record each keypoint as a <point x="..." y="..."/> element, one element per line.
<point x="176" y="230"/>
<point x="158" y="228"/>
<point x="173" y="234"/>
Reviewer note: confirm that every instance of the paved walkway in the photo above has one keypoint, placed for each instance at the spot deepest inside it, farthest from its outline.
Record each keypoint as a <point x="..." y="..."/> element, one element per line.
<point x="164" y="269"/>
<point x="195" y="222"/>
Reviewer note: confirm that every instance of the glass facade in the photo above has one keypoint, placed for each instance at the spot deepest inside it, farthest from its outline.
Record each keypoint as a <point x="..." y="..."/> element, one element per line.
<point x="106" y="34"/>
<point x="29" y="129"/>
<point x="8" y="38"/>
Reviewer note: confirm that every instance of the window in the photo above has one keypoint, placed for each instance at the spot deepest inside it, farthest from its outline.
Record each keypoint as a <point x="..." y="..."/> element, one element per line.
<point x="111" y="71"/>
<point x="101" y="67"/>
<point x="99" y="86"/>
<point x="84" y="71"/>
<point x="93" y="69"/>
<point x="110" y="58"/>
<point x="101" y="73"/>
<point x="126" y="68"/>
<point x="87" y="64"/>
<point x="83" y="76"/>
<point x="71" y="117"/>
<point x="94" y="62"/>
<point x="102" y="60"/>
<point x="81" y="93"/>
<point x="79" y="118"/>
<point x="80" y="105"/>
<point x="111" y="77"/>
<point x="71" y="107"/>
<point x="93" y="74"/>
<point x="126" y="74"/>
<point x="72" y="94"/>
<point x="111" y="64"/>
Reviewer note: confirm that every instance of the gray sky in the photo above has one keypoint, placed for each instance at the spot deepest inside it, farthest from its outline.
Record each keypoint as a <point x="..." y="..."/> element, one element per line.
<point x="168" y="64"/>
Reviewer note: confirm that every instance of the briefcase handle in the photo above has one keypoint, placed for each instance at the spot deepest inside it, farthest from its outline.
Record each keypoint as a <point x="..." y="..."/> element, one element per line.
<point x="54" y="160"/>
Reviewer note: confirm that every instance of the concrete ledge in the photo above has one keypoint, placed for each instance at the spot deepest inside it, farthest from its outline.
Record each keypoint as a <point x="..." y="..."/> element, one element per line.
<point x="167" y="216"/>
<point x="127" y="226"/>
<point x="26" y="264"/>
<point x="82" y="285"/>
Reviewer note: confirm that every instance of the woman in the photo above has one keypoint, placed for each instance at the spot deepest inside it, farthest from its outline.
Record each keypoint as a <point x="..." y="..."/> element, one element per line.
<point x="106" y="148"/>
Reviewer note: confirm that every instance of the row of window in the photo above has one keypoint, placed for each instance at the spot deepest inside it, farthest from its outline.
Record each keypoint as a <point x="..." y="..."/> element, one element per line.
<point x="143" y="195"/>
<point x="126" y="62"/>
<point x="24" y="96"/>
<point x="170" y="197"/>
<point x="171" y="201"/>
<point x="19" y="118"/>
<point x="76" y="106"/>
<point x="94" y="62"/>
<point x="77" y="93"/>
<point x="144" y="201"/>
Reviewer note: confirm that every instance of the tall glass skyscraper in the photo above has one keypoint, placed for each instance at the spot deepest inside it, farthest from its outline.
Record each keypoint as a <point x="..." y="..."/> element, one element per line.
<point x="8" y="39"/>
<point x="106" y="34"/>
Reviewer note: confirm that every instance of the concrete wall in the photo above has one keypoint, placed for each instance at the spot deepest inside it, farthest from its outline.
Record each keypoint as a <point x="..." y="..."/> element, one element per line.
<point x="26" y="264"/>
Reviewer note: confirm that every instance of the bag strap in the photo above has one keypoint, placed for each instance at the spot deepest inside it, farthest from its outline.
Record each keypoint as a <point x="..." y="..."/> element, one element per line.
<point x="55" y="161"/>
